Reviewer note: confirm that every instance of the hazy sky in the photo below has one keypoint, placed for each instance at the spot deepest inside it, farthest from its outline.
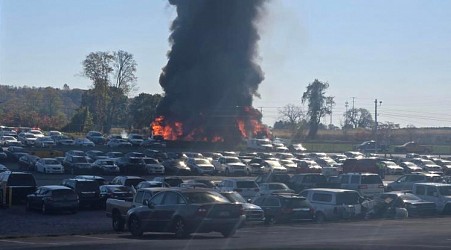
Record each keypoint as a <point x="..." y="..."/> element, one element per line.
<point x="397" y="51"/>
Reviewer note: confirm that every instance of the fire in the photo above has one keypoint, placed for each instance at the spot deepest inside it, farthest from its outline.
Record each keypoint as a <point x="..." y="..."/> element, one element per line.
<point x="246" y="123"/>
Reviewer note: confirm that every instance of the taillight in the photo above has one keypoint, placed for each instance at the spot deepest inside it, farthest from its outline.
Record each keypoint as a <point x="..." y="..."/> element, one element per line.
<point x="237" y="190"/>
<point x="363" y="186"/>
<point x="201" y="212"/>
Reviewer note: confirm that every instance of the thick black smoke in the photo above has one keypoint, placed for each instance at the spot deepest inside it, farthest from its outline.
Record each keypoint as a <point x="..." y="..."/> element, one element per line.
<point x="211" y="74"/>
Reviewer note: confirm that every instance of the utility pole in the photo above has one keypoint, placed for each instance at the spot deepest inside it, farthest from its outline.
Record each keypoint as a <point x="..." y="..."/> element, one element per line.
<point x="375" y="125"/>
<point x="346" y="114"/>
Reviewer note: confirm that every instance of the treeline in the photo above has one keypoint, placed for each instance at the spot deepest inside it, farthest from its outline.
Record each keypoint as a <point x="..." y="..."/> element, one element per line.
<point x="70" y="110"/>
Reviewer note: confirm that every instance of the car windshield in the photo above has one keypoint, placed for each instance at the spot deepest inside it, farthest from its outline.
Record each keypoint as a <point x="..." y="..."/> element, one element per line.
<point x="204" y="197"/>
<point x="234" y="197"/>
<point x="106" y="162"/>
<point x="232" y="160"/>
<point x="445" y="190"/>
<point x="51" y="162"/>
<point x="273" y="163"/>
<point x="202" y="161"/>
<point x="30" y="136"/>
<point x="132" y="182"/>
<point x="87" y="186"/>
<point x="118" y="189"/>
<point x="371" y="179"/>
<point x="297" y="202"/>
<point x="348" y="198"/>
<point x="246" y="184"/>
<point x="79" y="159"/>
<point x="150" y="161"/>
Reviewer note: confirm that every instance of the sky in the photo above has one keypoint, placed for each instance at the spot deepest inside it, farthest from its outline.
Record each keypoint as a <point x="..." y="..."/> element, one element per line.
<point x="397" y="51"/>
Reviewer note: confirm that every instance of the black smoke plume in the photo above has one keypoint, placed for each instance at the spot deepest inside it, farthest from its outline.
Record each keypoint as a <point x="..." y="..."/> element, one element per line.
<point x="211" y="76"/>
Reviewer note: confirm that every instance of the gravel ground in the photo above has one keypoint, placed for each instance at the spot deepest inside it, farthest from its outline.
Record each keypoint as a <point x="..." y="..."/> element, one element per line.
<point x="16" y="221"/>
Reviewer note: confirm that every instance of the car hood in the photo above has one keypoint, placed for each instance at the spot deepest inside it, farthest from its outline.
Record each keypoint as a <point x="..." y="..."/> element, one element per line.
<point x="250" y="206"/>
<point x="237" y="164"/>
<point x="419" y="202"/>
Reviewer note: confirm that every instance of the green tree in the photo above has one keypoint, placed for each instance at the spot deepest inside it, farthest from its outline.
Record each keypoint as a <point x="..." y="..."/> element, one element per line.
<point x="315" y="96"/>
<point x="142" y="110"/>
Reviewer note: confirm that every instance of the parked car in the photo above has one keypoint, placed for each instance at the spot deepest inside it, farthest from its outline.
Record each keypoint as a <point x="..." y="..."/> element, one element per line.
<point x="153" y="166"/>
<point x="439" y="193"/>
<point x="176" y="167"/>
<point x="117" y="209"/>
<point x="115" y="192"/>
<point x="186" y="211"/>
<point x="3" y="155"/>
<point x="385" y="205"/>
<point x="87" y="190"/>
<point x="129" y="164"/>
<point x="370" y="147"/>
<point x="128" y="181"/>
<point x="308" y="166"/>
<point x="7" y="141"/>
<point x="44" y="142"/>
<point x="75" y="164"/>
<point x="285" y="208"/>
<point x="27" y="162"/>
<point x="200" y="166"/>
<point x="406" y="182"/>
<point x="273" y="188"/>
<point x="53" y="198"/>
<point x="253" y="212"/>
<point x="135" y="139"/>
<point x="231" y="165"/>
<point x="3" y="168"/>
<point x="36" y="132"/>
<point x="171" y="181"/>
<point x="105" y="166"/>
<point x="83" y="142"/>
<point x="297" y="147"/>
<point x="96" y="137"/>
<point x="410" y="167"/>
<point x="246" y="188"/>
<point x="75" y="153"/>
<point x="49" y="166"/>
<point x="99" y="179"/>
<point x="392" y="168"/>
<point x="63" y="140"/>
<point x="21" y="184"/>
<point x="367" y="184"/>
<point x="27" y="139"/>
<point x="413" y="147"/>
<point x="114" y="155"/>
<point x="15" y="152"/>
<point x="94" y="155"/>
<point x="333" y="204"/>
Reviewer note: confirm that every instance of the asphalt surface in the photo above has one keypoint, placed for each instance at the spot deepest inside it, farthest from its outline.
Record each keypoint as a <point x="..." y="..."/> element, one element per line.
<point x="429" y="233"/>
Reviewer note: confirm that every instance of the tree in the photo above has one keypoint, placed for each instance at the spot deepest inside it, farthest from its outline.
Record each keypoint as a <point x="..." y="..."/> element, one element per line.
<point x="292" y="114"/>
<point x="143" y="109"/>
<point x="358" y="118"/>
<point x="315" y="95"/>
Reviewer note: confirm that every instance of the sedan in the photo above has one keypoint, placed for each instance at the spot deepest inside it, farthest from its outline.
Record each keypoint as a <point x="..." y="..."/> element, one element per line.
<point x="52" y="198"/>
<point x="273" y="188"/>
<point x="49" y="166"/>
<point x="153" y="166"/>
<point x="118" y="143"/>
<point x="44" y="142"/>
<point x="7" y="141"/>
<point x="84" y="142"/>
<point x="105" y="166"/>
<point x="186" y="211"/>
<point x="200" y="166"/>
<point x="252" y="211"/>
<point x="27" y="162"/>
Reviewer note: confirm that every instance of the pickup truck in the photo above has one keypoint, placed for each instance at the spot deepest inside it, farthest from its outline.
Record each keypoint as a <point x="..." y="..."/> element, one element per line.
<point x="117" y="209"/>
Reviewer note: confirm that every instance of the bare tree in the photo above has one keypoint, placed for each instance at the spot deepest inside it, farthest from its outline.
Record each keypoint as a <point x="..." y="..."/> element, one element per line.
<point x="124" y="71"/>
<point x="292" y="114"/>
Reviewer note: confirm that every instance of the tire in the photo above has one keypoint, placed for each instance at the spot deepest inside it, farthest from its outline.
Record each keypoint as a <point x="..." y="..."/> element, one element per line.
<point x="270" y="220"/>
<point x="179" y="229"/>
<point x="320" y="218"/>
<point x="117" y="222"/>
<point x="228" y="233"/>
<point x="135" y="227"/>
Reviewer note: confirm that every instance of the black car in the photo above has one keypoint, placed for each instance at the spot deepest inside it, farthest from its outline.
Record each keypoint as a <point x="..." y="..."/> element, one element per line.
<point x="116" y="192"/>
<point x="94" y="155"/>
<point x="130" y="164"/>
<point x="385" y="205"/>
<point x="77" y="164"/>
<point x="88" y="191"/>
<point x="27" y="162"/>
<point x="15" y="152"/>
<point x="285" y="208"/>
<point x="53" y="198"/>
<point x="176" y="167"/>
<point x="186" y="211"/>
<point x="20" y="184"/>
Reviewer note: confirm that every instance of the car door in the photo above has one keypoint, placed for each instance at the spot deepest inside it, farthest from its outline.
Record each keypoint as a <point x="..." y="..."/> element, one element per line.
<point x="271" y="207"/>
<point x="433" y="195"/>
<point x="399" y="184"/>
<point x="149" y="215"/>
<point x="173" y="204"/>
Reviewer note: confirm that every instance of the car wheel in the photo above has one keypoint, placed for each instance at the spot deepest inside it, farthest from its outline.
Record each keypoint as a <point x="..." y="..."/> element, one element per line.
<point x="44" y="209"/>
<point x="320" y="218"/>
<point x="180" y="229"/>
<point x="135" y="227"/>
<point x="118" y="222"/>
<point x="228" y="233"/>
<point x="270" y="220"/>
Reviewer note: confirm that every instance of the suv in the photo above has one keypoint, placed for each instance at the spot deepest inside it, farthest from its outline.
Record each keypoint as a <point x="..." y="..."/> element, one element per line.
<point x="88" y="191"/>
<point x="367" y="184"/>
<point x="127" y="180"/>
<point x="21" y="184"/>
<point x="330" y="204"/>
<point x="95" y="137"/>
<point x="76" y="164"/>
<point x="285" y="208"/>
<point x="246" y="188"/>
<point x="439" y="193"/>
<point x="406" y="182"/>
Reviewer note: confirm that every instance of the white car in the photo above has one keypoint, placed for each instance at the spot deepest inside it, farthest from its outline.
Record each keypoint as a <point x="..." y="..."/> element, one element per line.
<point x="36" y="132"/>
<point x="27" y="139"/>
<point x="274" y="166"/>
<point x="7" y="141"/>
<point x="230" y="165"/>
<point x="290" y="165"/>
<point x="274" y="188"/>
<point x="49" y="166"/>
<point x="105" y="166"/>
<point x="200" y="166"/>
<point x="392" y="168"/>
<point x="246" y="188"/>
<point x="153" y="166"/>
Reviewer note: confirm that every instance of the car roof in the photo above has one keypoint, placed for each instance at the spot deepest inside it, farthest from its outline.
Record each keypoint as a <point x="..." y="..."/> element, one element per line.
<point x="55" y="187"/>
<point x="332" y="190"/>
